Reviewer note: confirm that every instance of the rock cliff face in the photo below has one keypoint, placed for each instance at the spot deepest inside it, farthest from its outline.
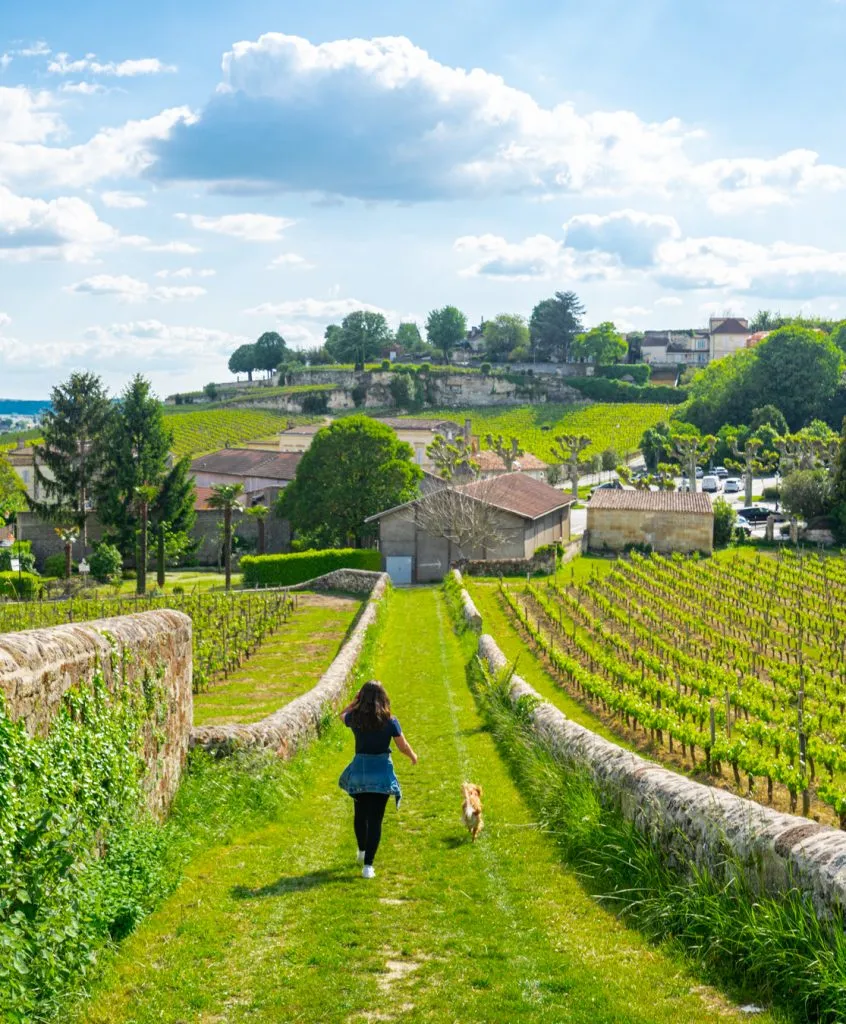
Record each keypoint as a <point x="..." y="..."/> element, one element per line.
<point x="149" y="652"/>
<point x="293" y="726"/>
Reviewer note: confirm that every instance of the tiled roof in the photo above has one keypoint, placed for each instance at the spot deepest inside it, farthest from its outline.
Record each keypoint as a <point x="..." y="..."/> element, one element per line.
<point x="518" y="493"/>
<point x="731" y="325"/>
<point x="400" y="423"/>
<point x="490" y="462"/>
<point x="653" y="501"/>
<point x="249" y="462"/>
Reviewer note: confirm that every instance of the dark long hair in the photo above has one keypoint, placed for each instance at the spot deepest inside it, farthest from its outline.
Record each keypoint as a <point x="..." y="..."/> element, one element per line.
<point x="373" y="710"/>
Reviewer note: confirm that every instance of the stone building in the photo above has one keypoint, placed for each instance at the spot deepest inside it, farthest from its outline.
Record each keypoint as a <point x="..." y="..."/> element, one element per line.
<point x="263" y="473"/>
<point x="507" y="517"/>
<point x="665" y="520"/>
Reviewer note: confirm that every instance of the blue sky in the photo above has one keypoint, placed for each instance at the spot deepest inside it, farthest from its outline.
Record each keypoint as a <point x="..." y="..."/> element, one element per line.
<point x="179" y="177"/>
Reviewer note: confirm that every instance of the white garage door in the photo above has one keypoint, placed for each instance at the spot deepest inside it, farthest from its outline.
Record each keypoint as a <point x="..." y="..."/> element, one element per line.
<point x="398" y="567"/>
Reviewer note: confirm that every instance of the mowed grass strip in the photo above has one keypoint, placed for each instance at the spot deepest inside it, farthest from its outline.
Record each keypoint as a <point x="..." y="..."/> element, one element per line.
<point x="279" y="927"/>
<point x="287" y="664"/>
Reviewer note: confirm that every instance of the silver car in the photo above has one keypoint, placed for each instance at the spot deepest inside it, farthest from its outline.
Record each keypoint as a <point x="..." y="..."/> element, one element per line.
<point x="732" y="486"/>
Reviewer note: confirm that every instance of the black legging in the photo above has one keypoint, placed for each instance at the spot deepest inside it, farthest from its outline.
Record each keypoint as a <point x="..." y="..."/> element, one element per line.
<point x="367" y="821"/>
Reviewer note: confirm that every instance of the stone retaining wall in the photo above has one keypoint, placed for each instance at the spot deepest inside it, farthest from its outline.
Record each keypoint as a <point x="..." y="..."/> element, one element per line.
<point x="38" y="666"/>
<point x="349" y="581"/>
<point x="294" y="725"/>
<point x="688" y="820"/>
<point x="468" y="607"/>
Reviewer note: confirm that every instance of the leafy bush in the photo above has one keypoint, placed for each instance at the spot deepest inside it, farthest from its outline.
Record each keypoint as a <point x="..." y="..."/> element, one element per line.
<point x="807" y="493"/>
<point x="385" y="364"/>
<point x="106" y="563"/>
<point x="129" y="574"/>
<point x="639" y="372"/>
<point x="359" y="395"/>
<point x="286" y="570"/>
<point x="485" y="368"/>
<point x="424" y="368"/>
<point x="54" y="565"/>
<point x="771" y="493"/>
<point x="601" y="389"/>
<point x="315" y="403"/>
<point x="22" y="550"/>
<point x="20" y="586"/>
<point x="724" y="520"/>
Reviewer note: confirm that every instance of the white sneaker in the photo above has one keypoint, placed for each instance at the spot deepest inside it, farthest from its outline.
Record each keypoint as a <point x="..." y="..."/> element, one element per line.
<point x="359" y="857"/>
<point x="367" y="871"/>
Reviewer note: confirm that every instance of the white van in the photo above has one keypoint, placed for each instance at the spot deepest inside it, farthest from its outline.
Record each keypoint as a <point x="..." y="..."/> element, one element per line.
<point x="711" y="484"/>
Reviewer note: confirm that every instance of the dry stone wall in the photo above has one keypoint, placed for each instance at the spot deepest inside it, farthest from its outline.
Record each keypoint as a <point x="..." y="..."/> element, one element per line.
<point x="293" y="726"/>
<point x="38" y="666"/>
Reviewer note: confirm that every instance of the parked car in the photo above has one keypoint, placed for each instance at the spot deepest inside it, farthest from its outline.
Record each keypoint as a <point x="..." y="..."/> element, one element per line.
<point x="743" y="526"/>
<point x="732" y="486"/>
<point x="609" y="485"/>
<point x="711" y="484"/>
<point x="700" y="472"/>
<point x="720" y="471"/>
<point x="758" y="514"/>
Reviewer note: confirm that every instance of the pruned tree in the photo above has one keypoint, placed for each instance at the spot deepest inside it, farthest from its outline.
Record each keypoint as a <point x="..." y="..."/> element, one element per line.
<point x="452" y="457"/>
<point x="260" y="514"/>
<point x="145" y="495"/>
<point x="567" y="450"/>
<point x="226" y="498"/>
<point x="749" y="462"/>
<point x="467" y="520"/>
<point x="508" y="451"/>
<point x="690" y="450"/>
<point x="68" y="535"/>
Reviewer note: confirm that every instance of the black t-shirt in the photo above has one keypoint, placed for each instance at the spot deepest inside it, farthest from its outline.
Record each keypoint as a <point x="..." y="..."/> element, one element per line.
<point x="374" y="741"/>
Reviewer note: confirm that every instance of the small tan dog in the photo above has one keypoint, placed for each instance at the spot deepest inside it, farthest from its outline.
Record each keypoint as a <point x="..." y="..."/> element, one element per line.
<point x="471" y="810"/>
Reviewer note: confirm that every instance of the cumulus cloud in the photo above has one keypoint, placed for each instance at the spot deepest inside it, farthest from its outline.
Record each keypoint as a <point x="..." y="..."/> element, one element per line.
<point x="5" y="61"/>
<point x="83" y="88"/>
<point x="151" y="339"/>
<point x="633" y="237"/>
<point x="123" y="200"/>
<point x="121" y="152"/>
<point x="36" y="49"/>
<point x="64" y="228"/>
<point x="185" y="272"/>
<point x="669" y="300"/>
<point x="148" y="245"/>
<point x="537" y="257"/>
<point x="315" y="309"/>
<point x="63" y="65"/>
<point x="131" y="289"/>
<point x="291" y="260"/>
<point x="5" y="319"/>
<point x="25" y="116"/>
<point x="250" y="227"/>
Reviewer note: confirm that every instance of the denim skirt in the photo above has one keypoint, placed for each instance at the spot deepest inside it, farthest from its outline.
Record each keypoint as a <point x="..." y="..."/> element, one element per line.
<point x="371" y="773"/>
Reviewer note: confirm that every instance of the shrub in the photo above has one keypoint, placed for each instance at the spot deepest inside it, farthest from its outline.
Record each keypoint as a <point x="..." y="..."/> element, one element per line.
<point x="54" y="565"/>
<point x="724" y="520"/>
<point x="358" y="394"/>
<point x="129" y="574"/>
<point x="639" y="372"/>
<point x="178" y="589"/>
<point x="424" y="368"/>
<point x="106" y="563"/>
<point x="601" y="389"/>
<point x="315" y="403"/>
<point x="807" y="493"/>
<point x="20" y="586"/>
<point x="771" y="493"/>
<point x="286" y="570"/>
<point x="485" y="368"/>
<point x="22" y="550"/>
<point x="386" y="364"/>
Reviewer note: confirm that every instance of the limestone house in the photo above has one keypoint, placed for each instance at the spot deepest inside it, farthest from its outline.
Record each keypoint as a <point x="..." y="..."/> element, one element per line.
<point x="508" y="516"/>
<point x="667" y="521"/>
<point x="728" y="335"/>
<point x="263" y="473"/>
<point x="490" y="465"/>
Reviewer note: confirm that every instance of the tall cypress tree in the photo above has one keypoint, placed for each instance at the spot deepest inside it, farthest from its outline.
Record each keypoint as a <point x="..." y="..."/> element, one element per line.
<point x="70" y="461"/>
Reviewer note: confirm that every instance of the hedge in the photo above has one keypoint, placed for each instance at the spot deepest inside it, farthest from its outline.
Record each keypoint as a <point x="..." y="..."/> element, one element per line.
<point x="20" y="586"/>
<point x="639" y="372"/>
<point x="286" y="570"/>
<point x="601" y="389"/>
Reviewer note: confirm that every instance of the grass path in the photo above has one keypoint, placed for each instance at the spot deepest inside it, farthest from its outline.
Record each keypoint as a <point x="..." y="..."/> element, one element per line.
<point x="286" y="664"/>
<point x="279" y="927"/>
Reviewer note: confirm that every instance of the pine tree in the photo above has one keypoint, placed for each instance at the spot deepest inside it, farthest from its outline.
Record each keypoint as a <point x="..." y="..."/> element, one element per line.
<point x="71" y="460"/>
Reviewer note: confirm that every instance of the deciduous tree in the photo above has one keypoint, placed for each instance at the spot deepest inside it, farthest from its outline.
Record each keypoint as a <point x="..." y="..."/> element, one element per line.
<point x="502" y="335"/>
<point x="602" y="344"/>
<point x="508" y="451"/>
<point x="554" y="325"/>
<point x="363" y="336"/>
<point x="353" y="469"/>
<point x="567" y="450"/>
<point x="451" y="457"/>
<point x="243" y="360"/>
<point x="269" y="351"/>
<point x="445" y="329"/>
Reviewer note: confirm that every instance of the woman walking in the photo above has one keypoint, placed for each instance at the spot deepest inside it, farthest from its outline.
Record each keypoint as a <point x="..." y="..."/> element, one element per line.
<point x="370" y="778"/>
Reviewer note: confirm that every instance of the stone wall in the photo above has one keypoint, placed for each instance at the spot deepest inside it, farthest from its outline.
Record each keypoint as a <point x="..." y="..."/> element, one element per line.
<point x="38" y="666"/>
<point x="471" y="613"/>
<point x="541" y="561"/>
<point x="348" y="581"/>
<point x="293" y="726"/>
<point x="691" y="822"/>
<point x="615" y="529"/>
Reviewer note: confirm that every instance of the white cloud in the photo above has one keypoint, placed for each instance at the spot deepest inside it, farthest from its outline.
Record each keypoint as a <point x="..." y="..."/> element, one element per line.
<point x="83" y="88"/>
<point x="147" y="245"/>
<point x="315" y="309"/>
<point x="123" y="200"/>
<point x="151" y="339"/>
<point x="669" y="300"/>
<point x="292" y="260"/>
<point x="5" y="61"/>
<point x="5" y="319"/>
<point x="62" y="65"/>
<point x="185" y="272"/>
<point x="537" y="257"/>
<point x="111" y="153"/>
<point x="64" y="228"/>
<point x="131" y="289"/>
<point x="630" y="235"/>
<point x="37" y="49"/>
<point x="250" y="227"/>
<point x="25" y="116"/>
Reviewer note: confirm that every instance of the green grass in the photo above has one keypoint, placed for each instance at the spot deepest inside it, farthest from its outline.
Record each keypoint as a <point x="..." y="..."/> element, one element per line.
<point x="275" y="925"/>
<point x="286" y="665"/>
<point x="609" y="425"/>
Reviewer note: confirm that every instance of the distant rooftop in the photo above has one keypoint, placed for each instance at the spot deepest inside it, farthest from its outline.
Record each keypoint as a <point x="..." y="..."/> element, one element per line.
<point x="653" y="501"/>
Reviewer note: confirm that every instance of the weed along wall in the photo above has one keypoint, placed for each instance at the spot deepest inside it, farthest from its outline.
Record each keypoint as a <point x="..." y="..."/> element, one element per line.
<point x="144" y="660"/>
<point x="692" y="824"/>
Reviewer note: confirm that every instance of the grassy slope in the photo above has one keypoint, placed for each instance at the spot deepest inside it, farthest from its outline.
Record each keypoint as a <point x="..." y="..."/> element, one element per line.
<point x="277" y="926"/>
<point x="609" y="425"/>
<point x="286" y="665"/>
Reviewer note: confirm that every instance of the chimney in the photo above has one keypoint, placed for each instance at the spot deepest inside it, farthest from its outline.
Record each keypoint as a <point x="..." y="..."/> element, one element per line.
<point x="467" y="432"/>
